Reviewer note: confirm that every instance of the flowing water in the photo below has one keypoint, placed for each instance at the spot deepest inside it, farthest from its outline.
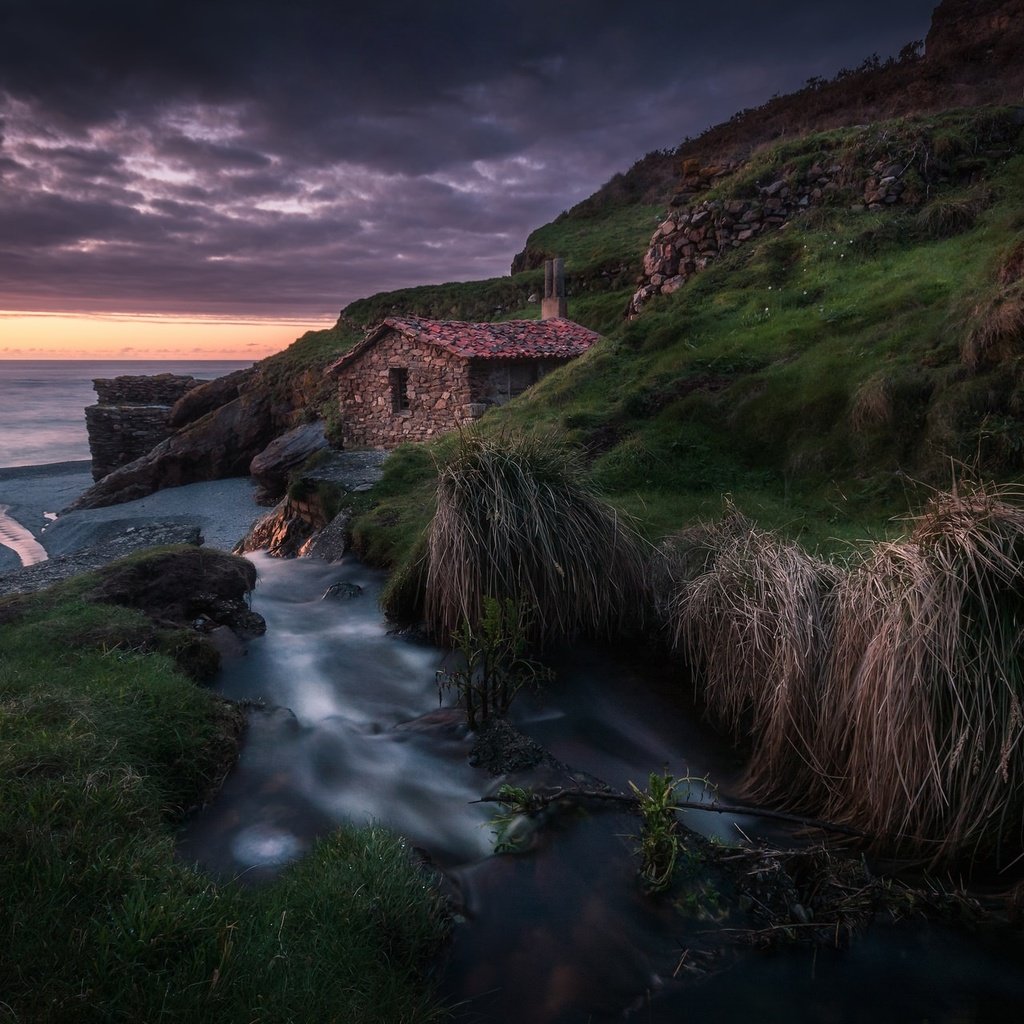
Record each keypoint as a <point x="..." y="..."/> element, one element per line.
<point x="351" y="731"/>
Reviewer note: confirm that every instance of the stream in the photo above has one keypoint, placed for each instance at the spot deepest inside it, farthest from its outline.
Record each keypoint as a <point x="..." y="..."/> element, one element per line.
<point x="351" y="731"/>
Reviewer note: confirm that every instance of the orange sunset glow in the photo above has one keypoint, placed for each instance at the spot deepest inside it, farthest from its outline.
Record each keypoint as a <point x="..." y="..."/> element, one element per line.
<point x="26" y="335"/>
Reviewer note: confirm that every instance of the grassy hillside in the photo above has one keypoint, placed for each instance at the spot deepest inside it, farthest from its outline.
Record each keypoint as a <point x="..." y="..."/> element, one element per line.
<point x="823" y="374"/>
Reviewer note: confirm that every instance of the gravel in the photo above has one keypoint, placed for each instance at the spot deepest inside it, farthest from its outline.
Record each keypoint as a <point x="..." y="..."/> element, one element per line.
<point x="223" y="511"/>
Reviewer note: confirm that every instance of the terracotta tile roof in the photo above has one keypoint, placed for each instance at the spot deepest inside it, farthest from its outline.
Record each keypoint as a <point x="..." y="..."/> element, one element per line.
<point x="514" y="339"/>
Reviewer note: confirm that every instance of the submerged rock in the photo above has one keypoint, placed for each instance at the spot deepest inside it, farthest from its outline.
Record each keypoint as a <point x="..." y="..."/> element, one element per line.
<point x="342" y="591"/>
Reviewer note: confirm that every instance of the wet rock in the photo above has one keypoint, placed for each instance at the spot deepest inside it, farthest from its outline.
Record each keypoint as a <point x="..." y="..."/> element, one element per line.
<point x="281" y="533"/>
<point x="502" y="749"/>
<point x="331" y="542"/>
<point x="178" y="587"/>
<point x="342" y="591"/>
<point x="271" y="467"/>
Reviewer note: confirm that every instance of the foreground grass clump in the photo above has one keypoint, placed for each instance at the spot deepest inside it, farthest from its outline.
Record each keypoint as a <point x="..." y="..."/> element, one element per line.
<point x="888" y="695"/>
<point x="103" y="746"/>
<point x="925" y="685"/>
<point x="516" y="520"/>
<point x="751" y="612"/>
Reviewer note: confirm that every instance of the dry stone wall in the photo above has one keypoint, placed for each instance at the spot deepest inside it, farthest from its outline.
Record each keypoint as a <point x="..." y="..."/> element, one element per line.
<point x="694" y="236"/>
<point x="131" y="418"/>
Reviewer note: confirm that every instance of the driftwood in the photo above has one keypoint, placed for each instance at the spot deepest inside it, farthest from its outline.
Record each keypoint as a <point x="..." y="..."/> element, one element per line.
<point x="538" y="801"/>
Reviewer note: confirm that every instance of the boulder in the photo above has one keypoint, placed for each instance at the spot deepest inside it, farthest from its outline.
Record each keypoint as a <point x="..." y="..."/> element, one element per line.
<point x="181" y="587"/>
<point x="331" y="542"/>
<point x="281" y="533"/>
<point x="201" y="400"/>
<point x="270" y="468"/>
<point x="342" y="591"/>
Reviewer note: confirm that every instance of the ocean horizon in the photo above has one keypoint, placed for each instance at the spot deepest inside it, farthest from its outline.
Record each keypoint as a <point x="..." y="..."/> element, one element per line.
<point x="42" y="402"/>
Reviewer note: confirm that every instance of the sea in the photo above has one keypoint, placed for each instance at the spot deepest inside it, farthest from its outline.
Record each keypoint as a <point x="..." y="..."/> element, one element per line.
<point x="42" y="402"/>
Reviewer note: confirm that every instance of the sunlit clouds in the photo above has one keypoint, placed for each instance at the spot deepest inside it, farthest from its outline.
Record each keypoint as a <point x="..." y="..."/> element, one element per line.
<point x="274" y="161"/>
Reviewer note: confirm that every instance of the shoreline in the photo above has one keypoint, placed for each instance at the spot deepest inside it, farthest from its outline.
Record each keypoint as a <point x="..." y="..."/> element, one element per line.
<point x="221" y="510"/>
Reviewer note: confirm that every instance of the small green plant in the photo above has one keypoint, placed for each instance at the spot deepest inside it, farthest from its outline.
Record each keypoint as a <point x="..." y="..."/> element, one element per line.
<point x="659" y="834"/>
<point x="515" y="802"/>
<point x="494" y="662"/>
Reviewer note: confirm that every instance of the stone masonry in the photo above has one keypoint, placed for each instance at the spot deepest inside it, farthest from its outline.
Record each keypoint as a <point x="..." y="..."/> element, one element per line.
<point x="437" y="393"/>
<point x="413" y="379"/>
<point x="693" y="237"/>
<point x="131" y="417"/>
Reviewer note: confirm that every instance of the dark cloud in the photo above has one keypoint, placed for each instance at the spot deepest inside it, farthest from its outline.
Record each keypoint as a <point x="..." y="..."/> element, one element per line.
<point x="289" y="156"/>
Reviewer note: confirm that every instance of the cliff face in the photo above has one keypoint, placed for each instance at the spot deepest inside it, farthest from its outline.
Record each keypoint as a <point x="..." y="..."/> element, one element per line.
<point x="131" y="418"/>
<point x="976" y="30"/>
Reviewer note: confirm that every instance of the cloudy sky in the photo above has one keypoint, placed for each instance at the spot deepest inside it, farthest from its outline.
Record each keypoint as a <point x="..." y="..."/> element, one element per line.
<point x="268" y="160"/>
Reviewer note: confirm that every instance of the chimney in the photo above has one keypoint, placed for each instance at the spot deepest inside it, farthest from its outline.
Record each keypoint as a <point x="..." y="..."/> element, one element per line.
<point x="553" y="303"/>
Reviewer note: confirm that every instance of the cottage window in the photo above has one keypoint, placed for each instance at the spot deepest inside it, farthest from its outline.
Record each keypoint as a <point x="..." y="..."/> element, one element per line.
<point x="398" y="378"/>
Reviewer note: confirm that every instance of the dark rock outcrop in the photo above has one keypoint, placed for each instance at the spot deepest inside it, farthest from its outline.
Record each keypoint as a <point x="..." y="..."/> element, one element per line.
<point x="281" y="533"/>
<point x="220" y="444"/>
<point x="131" y="417"/>
<point x="302" y="525"/>
<point x="201" y="400"/>
<point x="271" y="467"/>
<point x="185" y="588"/>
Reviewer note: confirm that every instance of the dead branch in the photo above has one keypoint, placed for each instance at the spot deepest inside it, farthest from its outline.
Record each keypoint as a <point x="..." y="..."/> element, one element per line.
<point x="539" y="801"/>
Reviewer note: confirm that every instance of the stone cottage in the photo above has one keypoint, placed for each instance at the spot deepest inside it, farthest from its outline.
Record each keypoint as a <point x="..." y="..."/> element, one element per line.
<point x="411" y="379"/>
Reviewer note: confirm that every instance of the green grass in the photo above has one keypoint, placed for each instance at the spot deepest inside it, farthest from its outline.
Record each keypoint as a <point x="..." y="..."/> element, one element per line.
<point x="585" y="239"/>
<point x="815" y="374"/>
<point x="103" y="747"/>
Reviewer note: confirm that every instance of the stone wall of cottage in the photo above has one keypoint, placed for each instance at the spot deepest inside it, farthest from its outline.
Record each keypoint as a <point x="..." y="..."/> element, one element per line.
<point x="131" y="418"/>
<point x="437" y="388"/>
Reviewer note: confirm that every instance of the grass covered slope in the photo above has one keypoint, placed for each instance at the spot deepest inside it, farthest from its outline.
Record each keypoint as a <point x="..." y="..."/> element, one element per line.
<point x="828" y="360"/>
<point x="818" y="373"/>
<point x="104" y="744"/>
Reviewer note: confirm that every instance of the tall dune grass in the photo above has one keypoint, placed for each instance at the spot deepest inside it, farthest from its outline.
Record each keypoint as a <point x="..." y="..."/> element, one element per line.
<point x="751" y="611"/>
<point x="925" y="684"/>
<point x="515" y="519"/>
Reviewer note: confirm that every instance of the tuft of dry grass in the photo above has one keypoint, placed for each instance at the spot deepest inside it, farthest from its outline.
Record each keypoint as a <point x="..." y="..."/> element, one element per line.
<point x="996" y="331"/>
<point x="922" y="713"/>
<point x="872" y="406"/>
<point x="750" y="611"/>
<point x="515" y="519"/>
<point x="952" y="214"/>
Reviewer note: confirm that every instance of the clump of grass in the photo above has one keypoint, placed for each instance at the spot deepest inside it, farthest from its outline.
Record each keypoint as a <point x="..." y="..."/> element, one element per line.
<point x="996" y="331"/>
<point x="923" y="716"/>
<point x="494" y="663"/>
<point x="658" y="846"/>
<point x="953" y="213"/>
<point x="515" y="519"/>
<point x="872" y="407"/>
<point x="750" y="610"/>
